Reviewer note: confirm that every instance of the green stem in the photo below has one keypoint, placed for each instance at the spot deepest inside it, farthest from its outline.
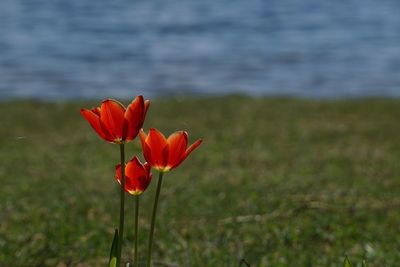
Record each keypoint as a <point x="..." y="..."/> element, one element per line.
<point x="135" y="259"/>
<point x="153" y="219"/>
<point x="122" y="205"/>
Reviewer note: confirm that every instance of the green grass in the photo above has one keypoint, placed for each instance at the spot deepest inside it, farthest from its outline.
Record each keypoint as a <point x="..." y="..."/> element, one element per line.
<point x="279" y="182"/>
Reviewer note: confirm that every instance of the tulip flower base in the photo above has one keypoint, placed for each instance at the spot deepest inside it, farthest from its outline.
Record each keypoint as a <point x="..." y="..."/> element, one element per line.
<point x="277" y="182"/>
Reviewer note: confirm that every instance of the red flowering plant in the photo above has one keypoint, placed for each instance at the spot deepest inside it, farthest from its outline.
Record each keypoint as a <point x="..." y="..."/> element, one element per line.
<point x="163" y="155"/>
<point x="137" y="176"/>
<point x="116" y="124"/>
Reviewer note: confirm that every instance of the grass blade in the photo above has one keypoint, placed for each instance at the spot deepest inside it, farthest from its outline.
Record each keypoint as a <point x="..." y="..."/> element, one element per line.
<point x="347" y="262"/>
<point x="114" y="251"/>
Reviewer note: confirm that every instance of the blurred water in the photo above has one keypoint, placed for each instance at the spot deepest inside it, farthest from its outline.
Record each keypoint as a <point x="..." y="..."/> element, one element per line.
<point x="70" y="49"/>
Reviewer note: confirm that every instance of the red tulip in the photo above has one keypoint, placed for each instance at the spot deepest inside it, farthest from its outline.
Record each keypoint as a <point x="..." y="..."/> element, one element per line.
<point x="166" y="154"/>
<point x="137" y="176"/>
<point x="114" y="123"/>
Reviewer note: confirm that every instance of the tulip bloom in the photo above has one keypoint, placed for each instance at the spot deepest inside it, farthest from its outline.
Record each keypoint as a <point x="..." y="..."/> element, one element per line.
<point x="166" y="154"/>
<point x="137" y="176"/>
<point x="114" y="123"/>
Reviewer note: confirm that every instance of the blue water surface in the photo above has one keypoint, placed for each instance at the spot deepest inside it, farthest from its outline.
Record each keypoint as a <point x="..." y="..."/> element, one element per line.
<point x="57" y="49"/>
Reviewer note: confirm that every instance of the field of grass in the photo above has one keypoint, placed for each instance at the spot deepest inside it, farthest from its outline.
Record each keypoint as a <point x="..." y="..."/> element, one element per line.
<point x="278" y="182"/>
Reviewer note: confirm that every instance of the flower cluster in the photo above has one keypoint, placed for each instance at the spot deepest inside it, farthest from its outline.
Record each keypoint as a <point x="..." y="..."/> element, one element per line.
<point x="116" y="124"/>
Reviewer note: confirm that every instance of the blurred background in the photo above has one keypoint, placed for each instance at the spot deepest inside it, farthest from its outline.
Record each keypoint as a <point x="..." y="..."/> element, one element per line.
<point x="72" y="49"/>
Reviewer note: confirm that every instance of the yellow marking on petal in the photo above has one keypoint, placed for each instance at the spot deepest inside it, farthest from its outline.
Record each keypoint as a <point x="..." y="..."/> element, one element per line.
<point x="135" y="192"/>
<point x="162" y="169"/>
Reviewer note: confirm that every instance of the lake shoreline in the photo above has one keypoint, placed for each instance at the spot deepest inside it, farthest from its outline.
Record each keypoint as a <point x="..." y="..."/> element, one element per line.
<point x="203" y="97"/>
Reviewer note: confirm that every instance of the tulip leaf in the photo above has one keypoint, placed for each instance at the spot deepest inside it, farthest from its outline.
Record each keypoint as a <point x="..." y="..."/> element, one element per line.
<point x="347" y="263"/>
<point x="113" y="252"/>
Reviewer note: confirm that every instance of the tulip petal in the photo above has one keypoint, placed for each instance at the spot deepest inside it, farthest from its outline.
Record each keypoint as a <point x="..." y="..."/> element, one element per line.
<point x="159" y="148"/>
<point x="145" y="147"/>
<point x="193" y="147"/>
<point x="189" y="150"/>
<point x="177" y="143"/>
<point x="147" y="168"/>
<point x="128" y="181"/>
<point x="118" y="173"/>
<point x="134" y="118"/>
<point x="92" y="117"/>
<point x="156" y="143"/>
<point x="134" y="168"/>
<point x="146" y="107"/>
<point x="112" y="117"/>
<point x="96" y="111"/>
<point x="143" y="136"/>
